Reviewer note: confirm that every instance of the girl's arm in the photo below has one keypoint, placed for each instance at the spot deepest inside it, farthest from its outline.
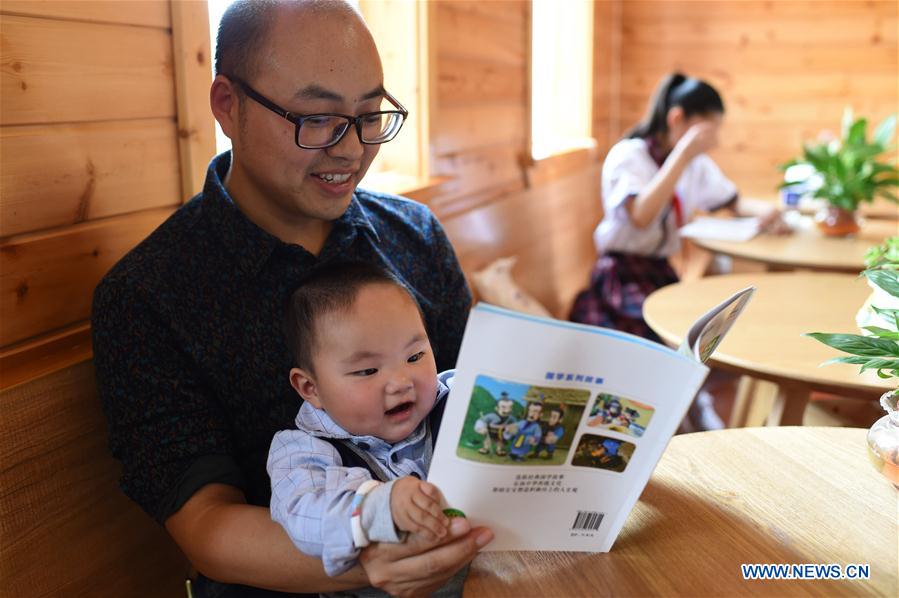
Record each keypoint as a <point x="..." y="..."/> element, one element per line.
<point x="644" y="208"/>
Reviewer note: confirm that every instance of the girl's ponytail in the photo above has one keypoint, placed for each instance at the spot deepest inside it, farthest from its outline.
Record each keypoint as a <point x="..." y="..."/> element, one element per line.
<point x="656" y="115"/>
<point x="676" y="89"/>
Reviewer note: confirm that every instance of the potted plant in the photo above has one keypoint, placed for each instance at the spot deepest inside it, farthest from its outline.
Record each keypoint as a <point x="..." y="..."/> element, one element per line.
<point x="847" y="172"/>
<point x="878" y="349"/>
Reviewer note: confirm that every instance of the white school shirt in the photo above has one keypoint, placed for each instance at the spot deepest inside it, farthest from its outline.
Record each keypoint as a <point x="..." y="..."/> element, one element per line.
<point x="627" y="170"/>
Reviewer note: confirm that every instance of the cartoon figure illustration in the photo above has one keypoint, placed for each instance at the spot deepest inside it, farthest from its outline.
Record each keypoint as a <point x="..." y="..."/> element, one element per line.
<point x="491" y="425"/>
<point x="606" y="454"/>
<point x="524" y="434"/>
<point x="552" y="431"/>
<point x="608" y="412"/>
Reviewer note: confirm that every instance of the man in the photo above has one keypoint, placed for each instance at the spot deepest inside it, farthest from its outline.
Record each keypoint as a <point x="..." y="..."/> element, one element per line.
<point x="491" y="425"/>
<point x="525" y="434"/>
<point x="191" y="358"/>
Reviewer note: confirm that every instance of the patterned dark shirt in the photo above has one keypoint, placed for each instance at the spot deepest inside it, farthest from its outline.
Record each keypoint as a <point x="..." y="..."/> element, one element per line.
<point x="192" y="365"/>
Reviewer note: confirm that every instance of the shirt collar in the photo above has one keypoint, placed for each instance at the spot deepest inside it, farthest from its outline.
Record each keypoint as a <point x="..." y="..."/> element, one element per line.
<point x="250" y="245"/>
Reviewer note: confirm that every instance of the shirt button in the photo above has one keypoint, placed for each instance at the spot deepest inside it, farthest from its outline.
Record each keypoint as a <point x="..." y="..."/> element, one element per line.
<point x="394" y="457"/>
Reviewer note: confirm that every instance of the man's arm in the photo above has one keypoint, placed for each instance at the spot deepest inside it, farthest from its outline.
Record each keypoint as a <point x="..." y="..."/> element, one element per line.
<point x="231" y="541"/>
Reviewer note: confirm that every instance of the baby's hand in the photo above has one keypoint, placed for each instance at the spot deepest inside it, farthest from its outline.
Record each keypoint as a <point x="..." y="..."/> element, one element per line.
<point x="416" y="507"/>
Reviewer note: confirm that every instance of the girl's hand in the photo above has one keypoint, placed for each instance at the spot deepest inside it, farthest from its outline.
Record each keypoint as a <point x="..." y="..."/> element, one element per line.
<point x="699" y="139"/>
<point x="416" y="507"/>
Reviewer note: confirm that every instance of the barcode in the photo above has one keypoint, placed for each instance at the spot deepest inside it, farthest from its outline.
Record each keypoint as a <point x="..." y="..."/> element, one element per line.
<point x="587" y="520"/>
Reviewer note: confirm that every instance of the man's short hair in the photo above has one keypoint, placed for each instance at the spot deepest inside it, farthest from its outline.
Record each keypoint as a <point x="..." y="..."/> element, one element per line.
<point x="332" y="288"/>
<point x="241" y="37"/>
<point x="244" y="27"/>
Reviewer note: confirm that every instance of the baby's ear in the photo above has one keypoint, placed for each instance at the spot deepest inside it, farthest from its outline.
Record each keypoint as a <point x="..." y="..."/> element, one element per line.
<point x="304" y="384"/>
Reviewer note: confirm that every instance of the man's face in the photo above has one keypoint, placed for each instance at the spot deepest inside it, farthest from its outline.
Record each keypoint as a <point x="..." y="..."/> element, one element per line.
<point x="554" y="418"/>
<point x="534" y="411"/>
<point x="311" y="63"/>
<point x="504" y="407"/>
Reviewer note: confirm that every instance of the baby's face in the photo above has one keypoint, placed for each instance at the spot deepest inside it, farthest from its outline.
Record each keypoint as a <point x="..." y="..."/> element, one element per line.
<point x="374" y="368"/>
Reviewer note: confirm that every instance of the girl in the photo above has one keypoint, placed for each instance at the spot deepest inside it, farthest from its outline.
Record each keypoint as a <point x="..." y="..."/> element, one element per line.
<point x="652" y="181"/>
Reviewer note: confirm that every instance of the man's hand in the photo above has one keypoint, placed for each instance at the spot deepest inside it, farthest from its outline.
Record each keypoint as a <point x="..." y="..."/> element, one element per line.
<point x="416" y="507"/>
<point x="420" y="565"/>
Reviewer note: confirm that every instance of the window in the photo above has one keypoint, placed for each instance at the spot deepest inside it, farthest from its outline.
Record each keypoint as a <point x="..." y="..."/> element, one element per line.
<point x="401" y="164"/>
<point x="561" y="76"/>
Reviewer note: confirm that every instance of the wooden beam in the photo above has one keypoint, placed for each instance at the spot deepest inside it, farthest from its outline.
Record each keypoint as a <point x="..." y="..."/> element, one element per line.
<point x="193" y="77"/>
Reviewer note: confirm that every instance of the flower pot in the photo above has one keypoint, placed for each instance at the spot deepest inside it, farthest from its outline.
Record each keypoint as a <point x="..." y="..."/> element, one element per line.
<point x="836" y="222"/>
<point x="883" y="439"/>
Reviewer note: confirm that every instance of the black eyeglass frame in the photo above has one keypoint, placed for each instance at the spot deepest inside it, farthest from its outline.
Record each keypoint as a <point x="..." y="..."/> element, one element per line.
<point x="298" y="119"/>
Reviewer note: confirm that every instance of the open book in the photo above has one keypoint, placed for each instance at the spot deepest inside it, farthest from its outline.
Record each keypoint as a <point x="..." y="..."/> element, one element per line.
<point x="552" y="429"/>
<point x="721" y="229"/>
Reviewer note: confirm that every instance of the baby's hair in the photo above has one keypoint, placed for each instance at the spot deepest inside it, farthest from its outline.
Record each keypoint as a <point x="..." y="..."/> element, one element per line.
<point x="331" y="288"/>
<point x="558" y="409"/>
<point x="694" y="96"/>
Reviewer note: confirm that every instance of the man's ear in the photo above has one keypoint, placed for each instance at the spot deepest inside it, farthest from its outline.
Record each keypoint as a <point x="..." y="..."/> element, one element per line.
<point x="305" y="385"/>
<point x="224" y="104"/>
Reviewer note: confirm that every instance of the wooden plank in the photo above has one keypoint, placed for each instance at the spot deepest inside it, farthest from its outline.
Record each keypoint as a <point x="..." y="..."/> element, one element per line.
<point x="476" y="171"/>
<point x="47" y="280"/>
<point x="469" y="81"/>
<point x="67" y="528"/>
<point x="95" y="170"/>
<point x="848" y="30"/>
<point x="193" y="76"/>
<point x="46" y="354"/>
<point x="804" y="113"/>
<point x="818" y="59"/>
<point x="468" y="34"/>
<point x="468" y="127"/>
<point x="513" y="11"/>
<point x="149" y="13"/>
<point x="665" y="10"/>
<point x="554" y="264"/>
<point x="776" y="87"/>
<point x="65" y="71"/>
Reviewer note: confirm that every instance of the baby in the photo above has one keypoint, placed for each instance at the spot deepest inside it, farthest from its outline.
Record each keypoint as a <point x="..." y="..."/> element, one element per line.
<point x="352" y="472"/>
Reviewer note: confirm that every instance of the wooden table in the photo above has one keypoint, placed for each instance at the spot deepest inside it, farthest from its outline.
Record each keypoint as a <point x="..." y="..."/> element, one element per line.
<point x="807" y="248"/>
<point x="766" y="340"/>
<point x="721" y="499"/>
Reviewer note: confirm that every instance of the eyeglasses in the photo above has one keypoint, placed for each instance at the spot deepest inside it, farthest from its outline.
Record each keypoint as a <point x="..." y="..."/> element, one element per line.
<point x="318" y="131"/>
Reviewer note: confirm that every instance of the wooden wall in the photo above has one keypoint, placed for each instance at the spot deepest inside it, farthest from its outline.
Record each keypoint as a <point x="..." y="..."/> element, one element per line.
<point x="100" y="139"/>
<point x="104" y="130"/>
<point x="785" y="69"/>
<point x="497" y="203"/>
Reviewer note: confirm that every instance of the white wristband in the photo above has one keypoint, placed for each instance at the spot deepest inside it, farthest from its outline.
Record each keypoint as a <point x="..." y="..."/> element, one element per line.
<point x="360" y="540"/>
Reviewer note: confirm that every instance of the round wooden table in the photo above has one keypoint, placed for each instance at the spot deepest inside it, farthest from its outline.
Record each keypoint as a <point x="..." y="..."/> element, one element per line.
<point x="721" y="499"/>
<point x="766" y="342"/>
<point x="807" y="248"/>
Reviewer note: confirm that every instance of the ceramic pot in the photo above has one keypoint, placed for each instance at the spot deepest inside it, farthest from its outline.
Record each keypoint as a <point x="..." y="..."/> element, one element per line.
<point x="836" y="222"/>
<point x="883" y="439"/>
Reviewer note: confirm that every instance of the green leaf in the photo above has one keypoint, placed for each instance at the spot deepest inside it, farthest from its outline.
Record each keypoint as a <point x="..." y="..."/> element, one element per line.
<point x="885" y="130"/>
<point x="888" y="280"/>
<point x="855" y="344"/>
<point x="857" y="132"/>
<point x="881" y="364"/>
<point x="852" y="360"/>
<point x="882" y="332"/>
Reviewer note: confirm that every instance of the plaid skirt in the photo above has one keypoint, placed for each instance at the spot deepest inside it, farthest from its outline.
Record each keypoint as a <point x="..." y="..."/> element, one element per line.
<point x="619" y="284"/>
